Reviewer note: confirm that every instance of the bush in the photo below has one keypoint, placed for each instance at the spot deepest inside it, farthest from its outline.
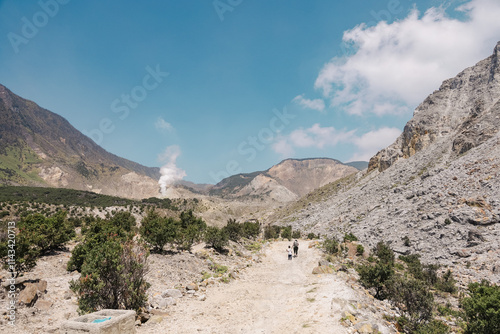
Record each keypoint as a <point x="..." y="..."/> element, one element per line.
<point x="296" y="234"/>
<point x="360" y="250"/>
<point x="286" y="233"/>
<point x="47" y="233"/>
<point x="216" y="237"/>
<point x="95" y="232"/>
<point x="350" y="237"/>
<point x="331" y="246"/>
<point x="482" y="308"/>
<point x="376" y="276"/>
<point x="312" y="236"/>
<point x="113" y="276"/>
<point x="158" y="231"/>
<point x="384" y="252"/>
<point x="446" y="283"/>
<point x="270" y="232"/>
<point x="36" y="236"/>
<point x="433" y="327"/>
<point x="414" y="298"/>
<point x="234" y="230"/>
<point x="190" y="230"/>
<point x="251" y="230"/>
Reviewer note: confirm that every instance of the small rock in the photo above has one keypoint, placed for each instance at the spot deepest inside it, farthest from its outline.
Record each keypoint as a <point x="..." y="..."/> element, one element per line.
<point x="322" y="270"/>
<point x="202" y="298"/>
<point x="41" y="286"/>
<point x="29" y="295"/>
<point x="43" y="305"/>
<point x="192" y="286"/>
<point x="174" y="293"/>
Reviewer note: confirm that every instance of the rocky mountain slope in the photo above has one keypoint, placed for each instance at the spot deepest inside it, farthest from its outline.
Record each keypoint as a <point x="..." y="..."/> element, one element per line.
<point x="284" y="182"/>
<point x="38" y="147"/>
<point x="438" y="184"/>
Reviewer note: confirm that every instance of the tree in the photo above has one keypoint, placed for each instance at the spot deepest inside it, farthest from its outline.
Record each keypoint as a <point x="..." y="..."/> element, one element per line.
<point x="414" y="298"/>
<point x="190" y="230"/>
<point x="286" y="233"/>
<point x="216" y="237"/>
<point x="158" y="231"/>
<point x="233" y="229"/>
<point x="482" y="308"/>
<point x="113" y="276"/>
<point x="376" y="276"/>
<point x="251" y="229"/>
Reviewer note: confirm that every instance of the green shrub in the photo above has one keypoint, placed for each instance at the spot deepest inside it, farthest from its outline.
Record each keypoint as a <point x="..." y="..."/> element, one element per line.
<point x="190" y="230"/>
<point x="296" y="234"/>
<point x="251" y="230"/>
<point x="113" y="277"/>
<point x="216" y="237"/>
<point x="286" y="233"/>
<point x="312" y="236"/>
<point x="446" y="283"/>
<point x="432" y="327"/>
<point x="331" y="246"/>
<point x="47" y="233"/>
<point x="95" y="232"/>
<point x="376" y="276"/>
<point x="158" y="231"/>
<point x="234" y="230"/>
<point x="270" y="232"/>
<point x="350" y="237"/>
<point x="482" y="308"/>
<point x="360" y="250"/>
<point x="414" y="298"/>
<point x="384" y="252"/>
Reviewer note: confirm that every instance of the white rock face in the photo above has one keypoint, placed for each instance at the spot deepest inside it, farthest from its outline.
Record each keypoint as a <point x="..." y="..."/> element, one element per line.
<point x="438" y="184"/>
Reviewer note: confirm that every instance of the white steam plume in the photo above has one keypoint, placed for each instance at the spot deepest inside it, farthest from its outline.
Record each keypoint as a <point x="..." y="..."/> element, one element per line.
<point x="170" y="173"/>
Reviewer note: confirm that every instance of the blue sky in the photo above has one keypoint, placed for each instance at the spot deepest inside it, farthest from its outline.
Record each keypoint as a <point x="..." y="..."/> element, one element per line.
<point x="211" y="88"/>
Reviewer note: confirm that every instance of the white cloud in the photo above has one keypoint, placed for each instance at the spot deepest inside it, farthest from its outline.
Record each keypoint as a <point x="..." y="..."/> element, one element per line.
<point x="372" y="142"/>
<point x="395" y="66"/>
<point x="319" y="137"/>
<point x="316" y="104"/>
<point x="170" y="173"/>
<point x="163" y="125"/>
<point x="313" y="137"/>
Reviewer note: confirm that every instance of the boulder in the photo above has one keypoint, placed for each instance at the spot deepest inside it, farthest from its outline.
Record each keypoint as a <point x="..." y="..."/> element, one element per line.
<point x="192" y="286"/>
<point x="322" y="270"/>
<point x="41" y="286"/>
<point x="174" y="293"/>
<point x="29" y="295"/>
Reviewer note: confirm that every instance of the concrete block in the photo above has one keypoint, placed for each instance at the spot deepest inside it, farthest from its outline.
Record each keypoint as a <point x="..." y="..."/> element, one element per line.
<point x="121" y="322"/>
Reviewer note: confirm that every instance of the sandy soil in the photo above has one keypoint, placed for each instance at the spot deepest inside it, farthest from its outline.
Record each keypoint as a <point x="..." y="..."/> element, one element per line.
<point x="274" y="296"/>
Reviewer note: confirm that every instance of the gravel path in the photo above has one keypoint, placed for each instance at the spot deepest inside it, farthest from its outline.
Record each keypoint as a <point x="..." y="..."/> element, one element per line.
<point x="274" y="296"/>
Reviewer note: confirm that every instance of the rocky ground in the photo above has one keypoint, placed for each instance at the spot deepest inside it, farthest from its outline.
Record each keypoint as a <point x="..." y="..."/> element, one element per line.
<point x="260" y="292"/>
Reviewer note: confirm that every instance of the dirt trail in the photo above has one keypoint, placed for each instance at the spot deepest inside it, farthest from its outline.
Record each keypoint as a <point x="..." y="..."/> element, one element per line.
<point x="274" y="296"/>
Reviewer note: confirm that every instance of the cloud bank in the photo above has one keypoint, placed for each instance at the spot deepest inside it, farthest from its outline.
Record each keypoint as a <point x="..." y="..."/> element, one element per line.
<point x="170" y="173"/>
<point x="395" y="66"/>
<point x="316" y="104"/>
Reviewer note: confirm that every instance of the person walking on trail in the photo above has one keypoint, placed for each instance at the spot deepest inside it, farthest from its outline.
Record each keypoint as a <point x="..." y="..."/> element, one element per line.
<point x="289" y="251"/>
<point x="296" y="248"/>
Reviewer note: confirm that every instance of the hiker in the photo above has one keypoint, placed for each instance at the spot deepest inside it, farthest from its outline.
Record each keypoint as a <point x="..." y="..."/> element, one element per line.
<point x="289" y="251"/>
<point x="296" y="248"/>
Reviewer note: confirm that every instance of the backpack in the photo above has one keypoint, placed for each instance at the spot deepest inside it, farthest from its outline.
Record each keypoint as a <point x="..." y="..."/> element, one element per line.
<point x="295" y="244"/>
